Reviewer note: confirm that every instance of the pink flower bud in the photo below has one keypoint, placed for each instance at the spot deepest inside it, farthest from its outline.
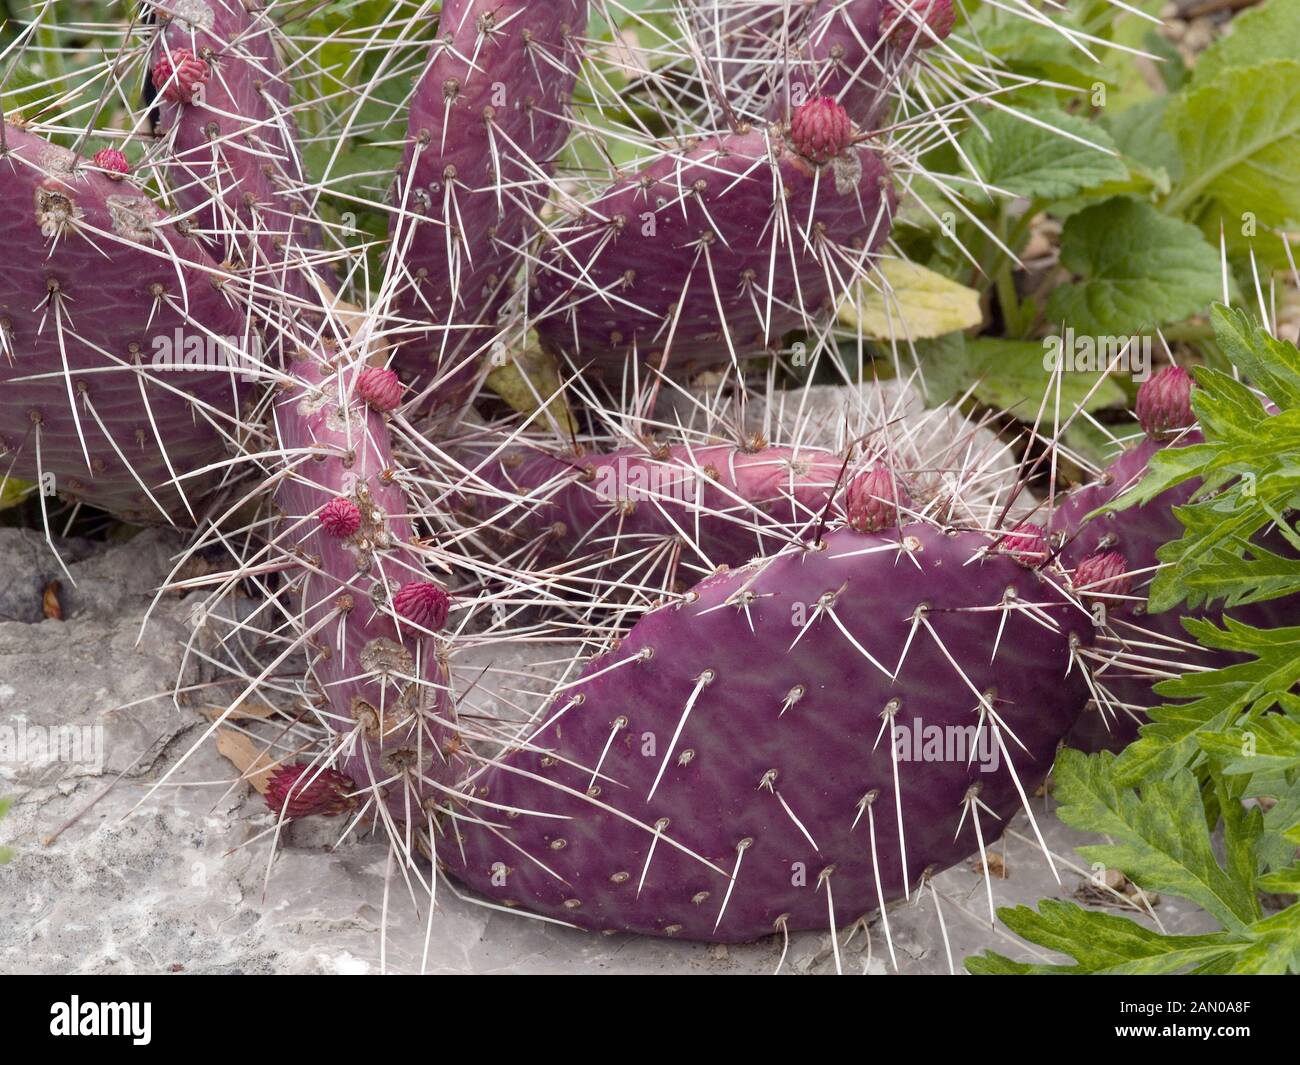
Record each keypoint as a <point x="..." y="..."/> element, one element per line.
<point x="1026" y="544"/>
<point x="1164" y="402"/>
<point x="1103" y="573"/>
<point x="179" y="74"/>
<point x="300" y="790"/>
<point x="422" y="603"/>
<point x="112" y="161"/>
<point x="340" y="517"/>
<point x="381" y="389"/>
<point x="873" y="498"/>
<point x="820" y="129"/>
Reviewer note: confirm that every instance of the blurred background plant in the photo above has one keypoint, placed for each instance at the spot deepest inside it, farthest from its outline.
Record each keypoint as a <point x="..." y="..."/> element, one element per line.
<point x="6" y="853"/>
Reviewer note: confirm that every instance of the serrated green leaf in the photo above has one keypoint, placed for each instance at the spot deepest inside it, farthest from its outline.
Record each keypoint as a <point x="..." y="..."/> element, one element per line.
<point x="1268" y="744"/>
<point x="1283" y="882"/>
<point x="1138" y="269"/>
<point x="1101" y="944"/>
<point x="1039" y="154"/>
<point x="1266" y="31"/>
<point x="1239" y="137"/>
<point x="1272" y="948"/>
<point x="1217" y="700"/>
<point x="909" y="302"/>
<point x="1139" y="132"/>
<point x="1156" y="844"/>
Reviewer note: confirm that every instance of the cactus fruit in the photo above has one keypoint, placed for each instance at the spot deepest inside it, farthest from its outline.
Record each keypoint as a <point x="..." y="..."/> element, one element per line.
<point x="423" y="604"/>
<point x="741" y="764"/>
<point x="1103" y="574"/>
<point x="820" y="130"/>
<point x="1026" y="543"/>
<point x="1164" y="402"/>
<point x="179" y="75"/>
<point x="873" y="499"/>
<point x="112" y="162"/>
<point x="340" y="517"/>
<point x="710" y="256"/>
<point x="302" y="790"/>
<point x="919" y="22"/>
<point x="122" y="366"/>
<point x="380" y="388"/>
<point x="486" y="119"/>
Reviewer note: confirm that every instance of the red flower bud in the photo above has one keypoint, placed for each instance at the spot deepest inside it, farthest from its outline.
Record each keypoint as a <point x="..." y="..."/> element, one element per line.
<point x="179" y="74"/>
<point x="873" y="498"/>
<point x="381" y="389"/>
<point x="820" y="129"/>
<point x="300" y="790"/>
<point x="422" y="603"/>
<point x="1164" y="402"/>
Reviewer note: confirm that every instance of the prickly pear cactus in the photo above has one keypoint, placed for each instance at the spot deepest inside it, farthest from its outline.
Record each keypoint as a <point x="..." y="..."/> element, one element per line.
<point x="756" y="739"/>
<point x="286" y="305"/>
<point x="124" y="362"/>
<point x="487" y="117"/>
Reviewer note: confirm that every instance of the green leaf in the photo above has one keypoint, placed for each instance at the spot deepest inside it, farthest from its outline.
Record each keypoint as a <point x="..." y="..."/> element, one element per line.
<point x="1036" y="49"/>
<point x="1101" y="943"/>
<point x="1157" y="845"/>
<point x="1272" y="948"/>
<point x="1012" y="375"/>
<point x="1268" y="744"/>
<point x="1239" y="138"/>
<point x="1283" y="882"/>
<point x="1139" y="132"/>
<point x="944" y="364"/>
<point x="1217" y="699"/>
<point x="1267" y="31"/>
<point x="1160" y="837"/>
<point x="1138" y="269"/>
<point x="909" y="302"/>
<point x="1039" y="154"/>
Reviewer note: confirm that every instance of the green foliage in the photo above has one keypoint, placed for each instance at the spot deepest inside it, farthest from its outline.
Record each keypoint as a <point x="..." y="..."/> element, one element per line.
<point x="1268" y="31"/>
<point x="1041" y="153"/>
<point x="1225" y="751"/>
<point x="1145" y="182"/>
<point x="6" y="854"/>
<point x="1238" y="138"/>
<point x="1137" y="269"/>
